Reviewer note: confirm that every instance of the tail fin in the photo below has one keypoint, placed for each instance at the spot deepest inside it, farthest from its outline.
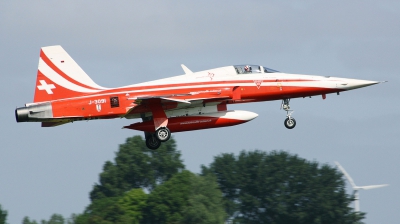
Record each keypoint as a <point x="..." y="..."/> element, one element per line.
<point x="59" y="76"/>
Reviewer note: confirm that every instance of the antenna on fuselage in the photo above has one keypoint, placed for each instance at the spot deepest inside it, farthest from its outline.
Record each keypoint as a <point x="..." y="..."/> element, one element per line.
<point x="186" y="70"/>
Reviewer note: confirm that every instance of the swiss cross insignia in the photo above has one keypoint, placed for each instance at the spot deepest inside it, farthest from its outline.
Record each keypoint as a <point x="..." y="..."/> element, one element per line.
<point x="258" y="83"/>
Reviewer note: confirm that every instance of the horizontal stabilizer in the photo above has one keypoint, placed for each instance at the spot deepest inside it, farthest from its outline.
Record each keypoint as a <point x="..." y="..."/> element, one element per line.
<point x="54" y="124"/>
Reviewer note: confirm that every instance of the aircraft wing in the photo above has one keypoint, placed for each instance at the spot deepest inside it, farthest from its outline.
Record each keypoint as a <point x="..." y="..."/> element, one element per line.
<point x="166" y="98"/>
<point x="141" y="104"/>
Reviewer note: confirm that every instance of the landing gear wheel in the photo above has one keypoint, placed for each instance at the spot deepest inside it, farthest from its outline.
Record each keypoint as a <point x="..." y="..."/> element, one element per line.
<point x="290" y="123"/>
<point x="163" y="134"/>
<point x="152" y="142"/>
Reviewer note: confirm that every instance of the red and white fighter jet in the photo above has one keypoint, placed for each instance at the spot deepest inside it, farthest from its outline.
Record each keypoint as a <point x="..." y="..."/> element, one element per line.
<point x="196" y="100"/>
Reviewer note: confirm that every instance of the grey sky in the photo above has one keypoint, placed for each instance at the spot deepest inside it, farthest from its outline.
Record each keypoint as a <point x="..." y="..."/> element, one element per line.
<point x="51" y="170"/>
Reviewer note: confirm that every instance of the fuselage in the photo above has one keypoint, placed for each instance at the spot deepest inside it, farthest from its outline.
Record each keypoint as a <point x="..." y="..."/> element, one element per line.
<point x="196" y="100"/>
<point x="220" y="86"/>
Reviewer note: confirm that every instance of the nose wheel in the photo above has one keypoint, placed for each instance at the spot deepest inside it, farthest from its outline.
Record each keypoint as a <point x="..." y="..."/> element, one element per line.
<point x="290" y="122"/>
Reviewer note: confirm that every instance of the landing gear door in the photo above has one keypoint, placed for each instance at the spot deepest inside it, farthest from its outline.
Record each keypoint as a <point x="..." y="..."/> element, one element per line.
<point x="236" y="94"/>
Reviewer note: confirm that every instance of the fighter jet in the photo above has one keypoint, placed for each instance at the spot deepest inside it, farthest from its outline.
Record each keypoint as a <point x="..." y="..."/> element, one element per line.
<point x="64" y="93"/>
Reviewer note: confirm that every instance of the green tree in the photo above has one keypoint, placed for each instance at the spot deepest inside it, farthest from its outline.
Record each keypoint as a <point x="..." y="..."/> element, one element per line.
<point x="136" y="166"/>
<point x="26" y="220"/>
<point x="54" y="219"/>
<point x="3" y="216"/>
<point x="166" y="202"/>
<point x="102" y="211"/>
<point x="133" y="203"/>
<point x="280" y="188"/>
<point x="186" y="198"/>
<point x="72" y="219"/>
<point x="124" y="209"/>
<point x="205" y="203"/>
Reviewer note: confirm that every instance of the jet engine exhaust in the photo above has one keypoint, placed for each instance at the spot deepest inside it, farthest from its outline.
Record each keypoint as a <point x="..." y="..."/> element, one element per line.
<point x="39" y="112"/>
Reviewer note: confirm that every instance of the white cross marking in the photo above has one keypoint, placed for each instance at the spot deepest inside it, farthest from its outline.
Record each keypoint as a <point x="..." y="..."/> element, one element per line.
<point x="46" y="87"/>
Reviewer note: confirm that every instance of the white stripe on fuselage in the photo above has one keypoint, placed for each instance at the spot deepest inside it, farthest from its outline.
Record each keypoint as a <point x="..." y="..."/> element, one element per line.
<point x="187" y="88"/>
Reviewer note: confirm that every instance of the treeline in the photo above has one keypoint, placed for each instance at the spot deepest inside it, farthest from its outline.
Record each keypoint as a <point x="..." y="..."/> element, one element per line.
<point x="152" y="186"/>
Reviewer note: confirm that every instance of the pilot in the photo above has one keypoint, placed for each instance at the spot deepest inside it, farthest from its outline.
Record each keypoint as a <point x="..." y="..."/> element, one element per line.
<point x="247" y="69"/>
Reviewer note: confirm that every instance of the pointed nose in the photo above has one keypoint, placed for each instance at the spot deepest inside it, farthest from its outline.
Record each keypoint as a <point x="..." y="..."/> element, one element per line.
<point x="348" y="84"/>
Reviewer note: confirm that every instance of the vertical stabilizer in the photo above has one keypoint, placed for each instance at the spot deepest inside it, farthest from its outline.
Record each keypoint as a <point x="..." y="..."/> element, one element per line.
<point x="59" y="76"/>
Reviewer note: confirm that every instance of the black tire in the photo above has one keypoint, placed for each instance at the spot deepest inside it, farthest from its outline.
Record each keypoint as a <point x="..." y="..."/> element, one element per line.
<point x="163" y="134"/>
<point x="290" y="123"/>
<point x="152" y="142"/>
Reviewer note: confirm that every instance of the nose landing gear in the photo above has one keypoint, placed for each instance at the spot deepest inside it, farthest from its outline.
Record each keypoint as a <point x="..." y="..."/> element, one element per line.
<point x="290" y="122"/>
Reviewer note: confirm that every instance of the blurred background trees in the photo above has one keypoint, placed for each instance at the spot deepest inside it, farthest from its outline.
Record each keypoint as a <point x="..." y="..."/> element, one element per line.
<point x="276" y="187"/>
<point x="152" y="186"/>
<point x="3" y="216"/>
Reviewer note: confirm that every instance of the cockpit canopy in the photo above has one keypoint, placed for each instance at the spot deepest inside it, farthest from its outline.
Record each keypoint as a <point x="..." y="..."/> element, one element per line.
<point x="246" y="69"/>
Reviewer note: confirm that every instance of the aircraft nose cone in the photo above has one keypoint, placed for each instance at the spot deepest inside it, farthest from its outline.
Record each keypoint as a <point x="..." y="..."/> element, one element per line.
<point x="349" y="84"/>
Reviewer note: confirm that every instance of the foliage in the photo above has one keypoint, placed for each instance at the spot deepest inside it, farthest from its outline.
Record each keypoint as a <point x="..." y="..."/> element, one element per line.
<point x="136" y="166"/>
<point x="133" y="203"/>
<point x="167" y="201"/>
<point x="186" y="198"/>
<point x="105" y="211"/>
<point x="205" y="202"/>
<point x="124" y="209"/>
<point x="3" y="216"/>
<point x="54" y="219"/>
<point x="253" y="187"/>
<point x="281" y="188"/>
<point x="26" y="220"/>
<point x="72" y="219"/>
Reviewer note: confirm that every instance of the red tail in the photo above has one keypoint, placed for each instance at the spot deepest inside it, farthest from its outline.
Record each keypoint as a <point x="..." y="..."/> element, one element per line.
<point x="59" y="76"/>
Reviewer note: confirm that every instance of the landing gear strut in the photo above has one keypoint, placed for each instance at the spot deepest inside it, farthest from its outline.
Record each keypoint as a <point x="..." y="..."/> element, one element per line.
<point x="290" y="122"/>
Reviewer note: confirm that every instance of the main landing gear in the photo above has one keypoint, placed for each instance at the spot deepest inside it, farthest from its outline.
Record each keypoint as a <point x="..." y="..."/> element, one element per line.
<point x="163" y="134"/>
<point x="153" y="140"/>
<point x="290" y="122"/>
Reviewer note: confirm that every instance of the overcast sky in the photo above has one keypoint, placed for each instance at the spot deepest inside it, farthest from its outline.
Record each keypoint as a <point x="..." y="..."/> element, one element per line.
<point x="52" y="170"/>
